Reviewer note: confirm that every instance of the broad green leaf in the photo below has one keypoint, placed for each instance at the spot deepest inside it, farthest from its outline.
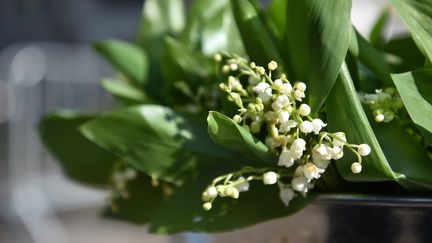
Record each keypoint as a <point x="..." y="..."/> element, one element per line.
<point x="141" y="204"/>
<point x="181" y="64"/>
<point x="276" y="13"/>
<point x="226" y="132"/>
<point x="405" y="48"/>
<point x="259" y="204"/>
<point x="256" y="38"/>
<point x="127" y="58"/>
<point x="169" y="145"/>
<point x="370" y="57"/>
<point x="316" y="41"/>
<point x="211" y="28"/>
<point x="376" y="36"/>
<point x="81" y="160"/>
<point x="125" y="93"/>
<point x="406" y="156"/>
<point x="160" y="18"/>
<point x="345" y="114"/>
<point x="417" y="14"/>
<point x="415" y="89"/>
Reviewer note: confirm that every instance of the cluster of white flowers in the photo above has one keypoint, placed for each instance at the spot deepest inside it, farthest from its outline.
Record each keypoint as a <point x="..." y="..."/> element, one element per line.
<point x="384" y="104"/>
<point x="118" y="185"/>
<point x="274" y="110"/>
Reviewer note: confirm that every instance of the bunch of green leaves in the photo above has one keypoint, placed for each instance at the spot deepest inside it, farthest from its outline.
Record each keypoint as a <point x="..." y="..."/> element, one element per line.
<point x="161" y="128"/>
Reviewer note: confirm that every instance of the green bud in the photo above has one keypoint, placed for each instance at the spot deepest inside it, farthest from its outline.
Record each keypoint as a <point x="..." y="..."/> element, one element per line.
<point x="255" y="127"/>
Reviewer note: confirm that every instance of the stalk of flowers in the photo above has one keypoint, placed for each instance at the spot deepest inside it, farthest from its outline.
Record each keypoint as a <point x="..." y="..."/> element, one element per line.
<point x="120" y="178"/>
<point x="273" y="110"/>
<point x="385" y="104"/>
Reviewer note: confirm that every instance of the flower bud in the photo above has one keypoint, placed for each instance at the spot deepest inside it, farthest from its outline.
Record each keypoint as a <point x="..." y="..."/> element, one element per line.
<point x="388" y="116"/>
<point x="379" y="118"/>
<point x="283" y="116"/>
<point x="270" y="178"/>
<point x="233" y="66"/>
<point x="237" y="119"/>
<point x="232" y="192"/>
<point x="272" y="65"/>
<point x="207" y="206"/>
<point x="255" y="127"/>
<point x="356" y="167"/>
<point x="212" y="192"/>
<point x="300" y="86"/>
<point x="260" y="70"/>
<point x="304" y="110"/>
<point x="217" y="57"/>
<point x="364" y="149"/>
<point x="252" y="65"/>
<point x="225" y="69"/>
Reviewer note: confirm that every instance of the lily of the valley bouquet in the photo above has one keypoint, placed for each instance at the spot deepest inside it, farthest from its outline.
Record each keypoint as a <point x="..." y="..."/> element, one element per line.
<point x="236" y="113"/>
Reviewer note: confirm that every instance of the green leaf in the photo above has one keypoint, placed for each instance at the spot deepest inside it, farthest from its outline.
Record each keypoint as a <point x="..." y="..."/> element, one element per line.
<point x="406" y="156"/>
<point x="81" y="160"/>
<point x="370" y="57"/>
<point x="211" y="28"/>
<point x="316" y="40"/>
<point x="141" y="204"/>
<point x="125" y="93"/>
<point x="160" y="18"/>
<point x="415" y="89"/>
<point x="376" y="36"/>
<point x="226" y="214"/>
<point x="417" y="14"/>
<point x="345" y="114"/>
<point x="181" y="64"/>
<point x="256" y="38"/>
<point x="127" y="58"/>
<point x="405" y="48"/>
<point x="169" y="145"/>
<point x="226" y="132"/>
<point x="276" y="14"/>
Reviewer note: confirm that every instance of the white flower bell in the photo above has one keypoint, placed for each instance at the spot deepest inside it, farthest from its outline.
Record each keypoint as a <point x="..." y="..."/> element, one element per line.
<point x="286" y="195"/>
<point x="264" y="91"/>
<point x="317" y="125"/>
<point x="304" y="110"/>
<point x="311" y="171"/>
<point x="364" y="149"/>
<point x="356" y="167"/>
<point x="306" y="127"/>
<point x="270" y="178"/>
<point x="286" y="158"/>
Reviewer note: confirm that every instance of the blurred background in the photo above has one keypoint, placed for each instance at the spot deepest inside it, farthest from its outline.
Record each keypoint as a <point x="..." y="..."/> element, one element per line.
<point x="46" y="64"/>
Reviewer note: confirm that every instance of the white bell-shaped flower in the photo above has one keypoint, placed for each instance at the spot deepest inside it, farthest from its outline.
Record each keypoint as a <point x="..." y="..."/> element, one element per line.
<point x="286" y="195"/>
<point x="286" y="158"/>
<point x="284" y="117"/>
<point x="287" y="126"/>
<point x="340" y="139"/>
<point x="311" y="171"/>
<point x="300" y="184"/>
<point x="321" y="163"/>
<point x="264" y="91"/>
<point x="317" y="125"/>
<point x="321" y="151"/>
<point x="306" y="127"/>
<point x="336" y="152"/>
